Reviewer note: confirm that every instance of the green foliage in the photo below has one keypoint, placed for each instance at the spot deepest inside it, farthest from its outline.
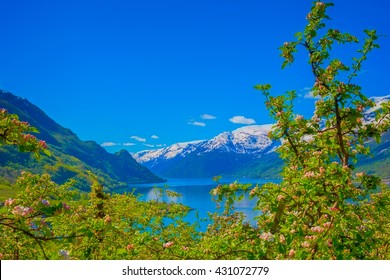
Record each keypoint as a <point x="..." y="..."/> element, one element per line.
<point x="15" y="132"/>
<point x="75" y="156"/>
<point x="322" y="209"/>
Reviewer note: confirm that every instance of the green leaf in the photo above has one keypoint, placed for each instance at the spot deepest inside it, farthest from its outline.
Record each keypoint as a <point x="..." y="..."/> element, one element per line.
<point x="262" y="87"/>
<point x="299" y="36"/>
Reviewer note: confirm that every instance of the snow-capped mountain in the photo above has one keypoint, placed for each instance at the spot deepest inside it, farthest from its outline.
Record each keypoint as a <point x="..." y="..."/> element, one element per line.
<point x="223" y="154"/>
<point x="178" y="149"/>
<point x="246" y="151"/>
<point x="369" y="115"/>
<point x="245" y="140"/>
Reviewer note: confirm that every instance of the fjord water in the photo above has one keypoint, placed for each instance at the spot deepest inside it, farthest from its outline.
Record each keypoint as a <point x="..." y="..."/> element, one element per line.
<point x="195" y="193"/>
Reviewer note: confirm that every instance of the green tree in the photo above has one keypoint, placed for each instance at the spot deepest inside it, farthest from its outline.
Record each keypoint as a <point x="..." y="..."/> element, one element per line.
<point x="50" y="221"/>
<point x="323" y="209"/>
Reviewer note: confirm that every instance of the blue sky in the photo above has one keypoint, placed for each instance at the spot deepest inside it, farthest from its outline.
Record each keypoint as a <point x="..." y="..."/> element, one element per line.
<point x="144" y="74"/>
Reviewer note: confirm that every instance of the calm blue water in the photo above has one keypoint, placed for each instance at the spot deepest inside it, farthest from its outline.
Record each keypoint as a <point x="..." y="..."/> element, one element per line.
<point x="196" y="194"/>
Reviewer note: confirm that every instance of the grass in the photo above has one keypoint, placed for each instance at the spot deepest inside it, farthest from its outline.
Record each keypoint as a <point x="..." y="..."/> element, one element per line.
<point x="7" y="191"/>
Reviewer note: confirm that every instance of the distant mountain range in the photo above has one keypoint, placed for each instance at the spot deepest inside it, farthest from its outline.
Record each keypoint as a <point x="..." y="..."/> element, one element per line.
<point x="72" y="158"/>
<point x="244" y="152"/>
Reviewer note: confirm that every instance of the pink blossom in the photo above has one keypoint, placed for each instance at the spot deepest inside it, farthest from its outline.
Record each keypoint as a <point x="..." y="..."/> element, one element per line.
<point x="216" y="191"/>
<point x="309" y="174"/>
<point x="168" y="244"/>
<point x="233" y="186"/>
<point x="107" y="219"/>
<point x="305" y="244"/>
<point x="267" y="236"/>
<point x="327" y="224"/>
<point x="9" y="202"/>
<point x="334" y="208"/>
<point x="310" y="237"/>
<point x="282" y="239"/>
<point x="291" y="253"/>
<point x="278" y="114"/>
<point x="360" y="174"/>
<point x="42" y="144"/>
<point x="280" y="197"/>
<point x="28" y="137"/>
<point x="65" y="206"/>
<point x="130" y="247"/>
<point x="21" y="210"/>
<point x="317" y="229"/>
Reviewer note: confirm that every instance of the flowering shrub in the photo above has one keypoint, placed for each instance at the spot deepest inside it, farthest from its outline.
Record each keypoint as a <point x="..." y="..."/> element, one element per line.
<point x="15" y="132"/>
<point x="322" y="208"/>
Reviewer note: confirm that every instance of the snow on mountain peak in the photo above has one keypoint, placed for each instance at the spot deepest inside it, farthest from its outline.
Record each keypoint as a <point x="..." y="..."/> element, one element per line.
<point x="251" y="139"/>
<point x="378" y="102"/>
<point x="167" y="153"/>
<point x="255" y="129"/>
<point x="247" y="139"/>
<point x="370" y="113"/>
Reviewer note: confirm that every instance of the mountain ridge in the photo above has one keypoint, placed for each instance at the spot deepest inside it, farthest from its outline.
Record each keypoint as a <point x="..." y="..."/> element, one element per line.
<point x="246" y="152"/>
<point x="68" y="151"/>
<point x="237" y="149"/>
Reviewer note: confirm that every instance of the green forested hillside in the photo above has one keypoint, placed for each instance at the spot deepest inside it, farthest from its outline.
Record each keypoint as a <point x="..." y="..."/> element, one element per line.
<point x="71" y="157"/>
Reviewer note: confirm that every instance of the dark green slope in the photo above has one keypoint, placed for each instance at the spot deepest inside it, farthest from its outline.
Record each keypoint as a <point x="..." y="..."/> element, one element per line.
<point x="379" y="164"/>
<point x="72" y="158"/>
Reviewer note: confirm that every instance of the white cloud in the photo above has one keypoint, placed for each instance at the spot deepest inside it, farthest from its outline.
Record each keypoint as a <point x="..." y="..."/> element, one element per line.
<point x="242" y="120"/>
<point x="139" y="139"/>
<point x="149" y="145"/>
<point x="208" y="117"/>
<point x="196" y="123"/>
<point x="111" y="144"/>
<point x="308" y="93"/>
<point x="128" y="144"/>
<point x="154" y="137"/>
<point x="108" y="144"/>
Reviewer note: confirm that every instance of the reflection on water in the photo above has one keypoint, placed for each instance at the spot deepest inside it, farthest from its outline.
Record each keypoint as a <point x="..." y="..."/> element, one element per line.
<point x="195" y="193"/>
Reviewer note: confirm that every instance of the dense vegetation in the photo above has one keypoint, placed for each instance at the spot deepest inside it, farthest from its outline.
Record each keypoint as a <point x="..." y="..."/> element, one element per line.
<point x="322" y="209"/>
<point x="70" y="158"/>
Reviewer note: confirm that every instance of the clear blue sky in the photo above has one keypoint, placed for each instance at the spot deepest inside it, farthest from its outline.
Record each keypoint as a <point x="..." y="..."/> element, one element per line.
<point x="144" y="73"/>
